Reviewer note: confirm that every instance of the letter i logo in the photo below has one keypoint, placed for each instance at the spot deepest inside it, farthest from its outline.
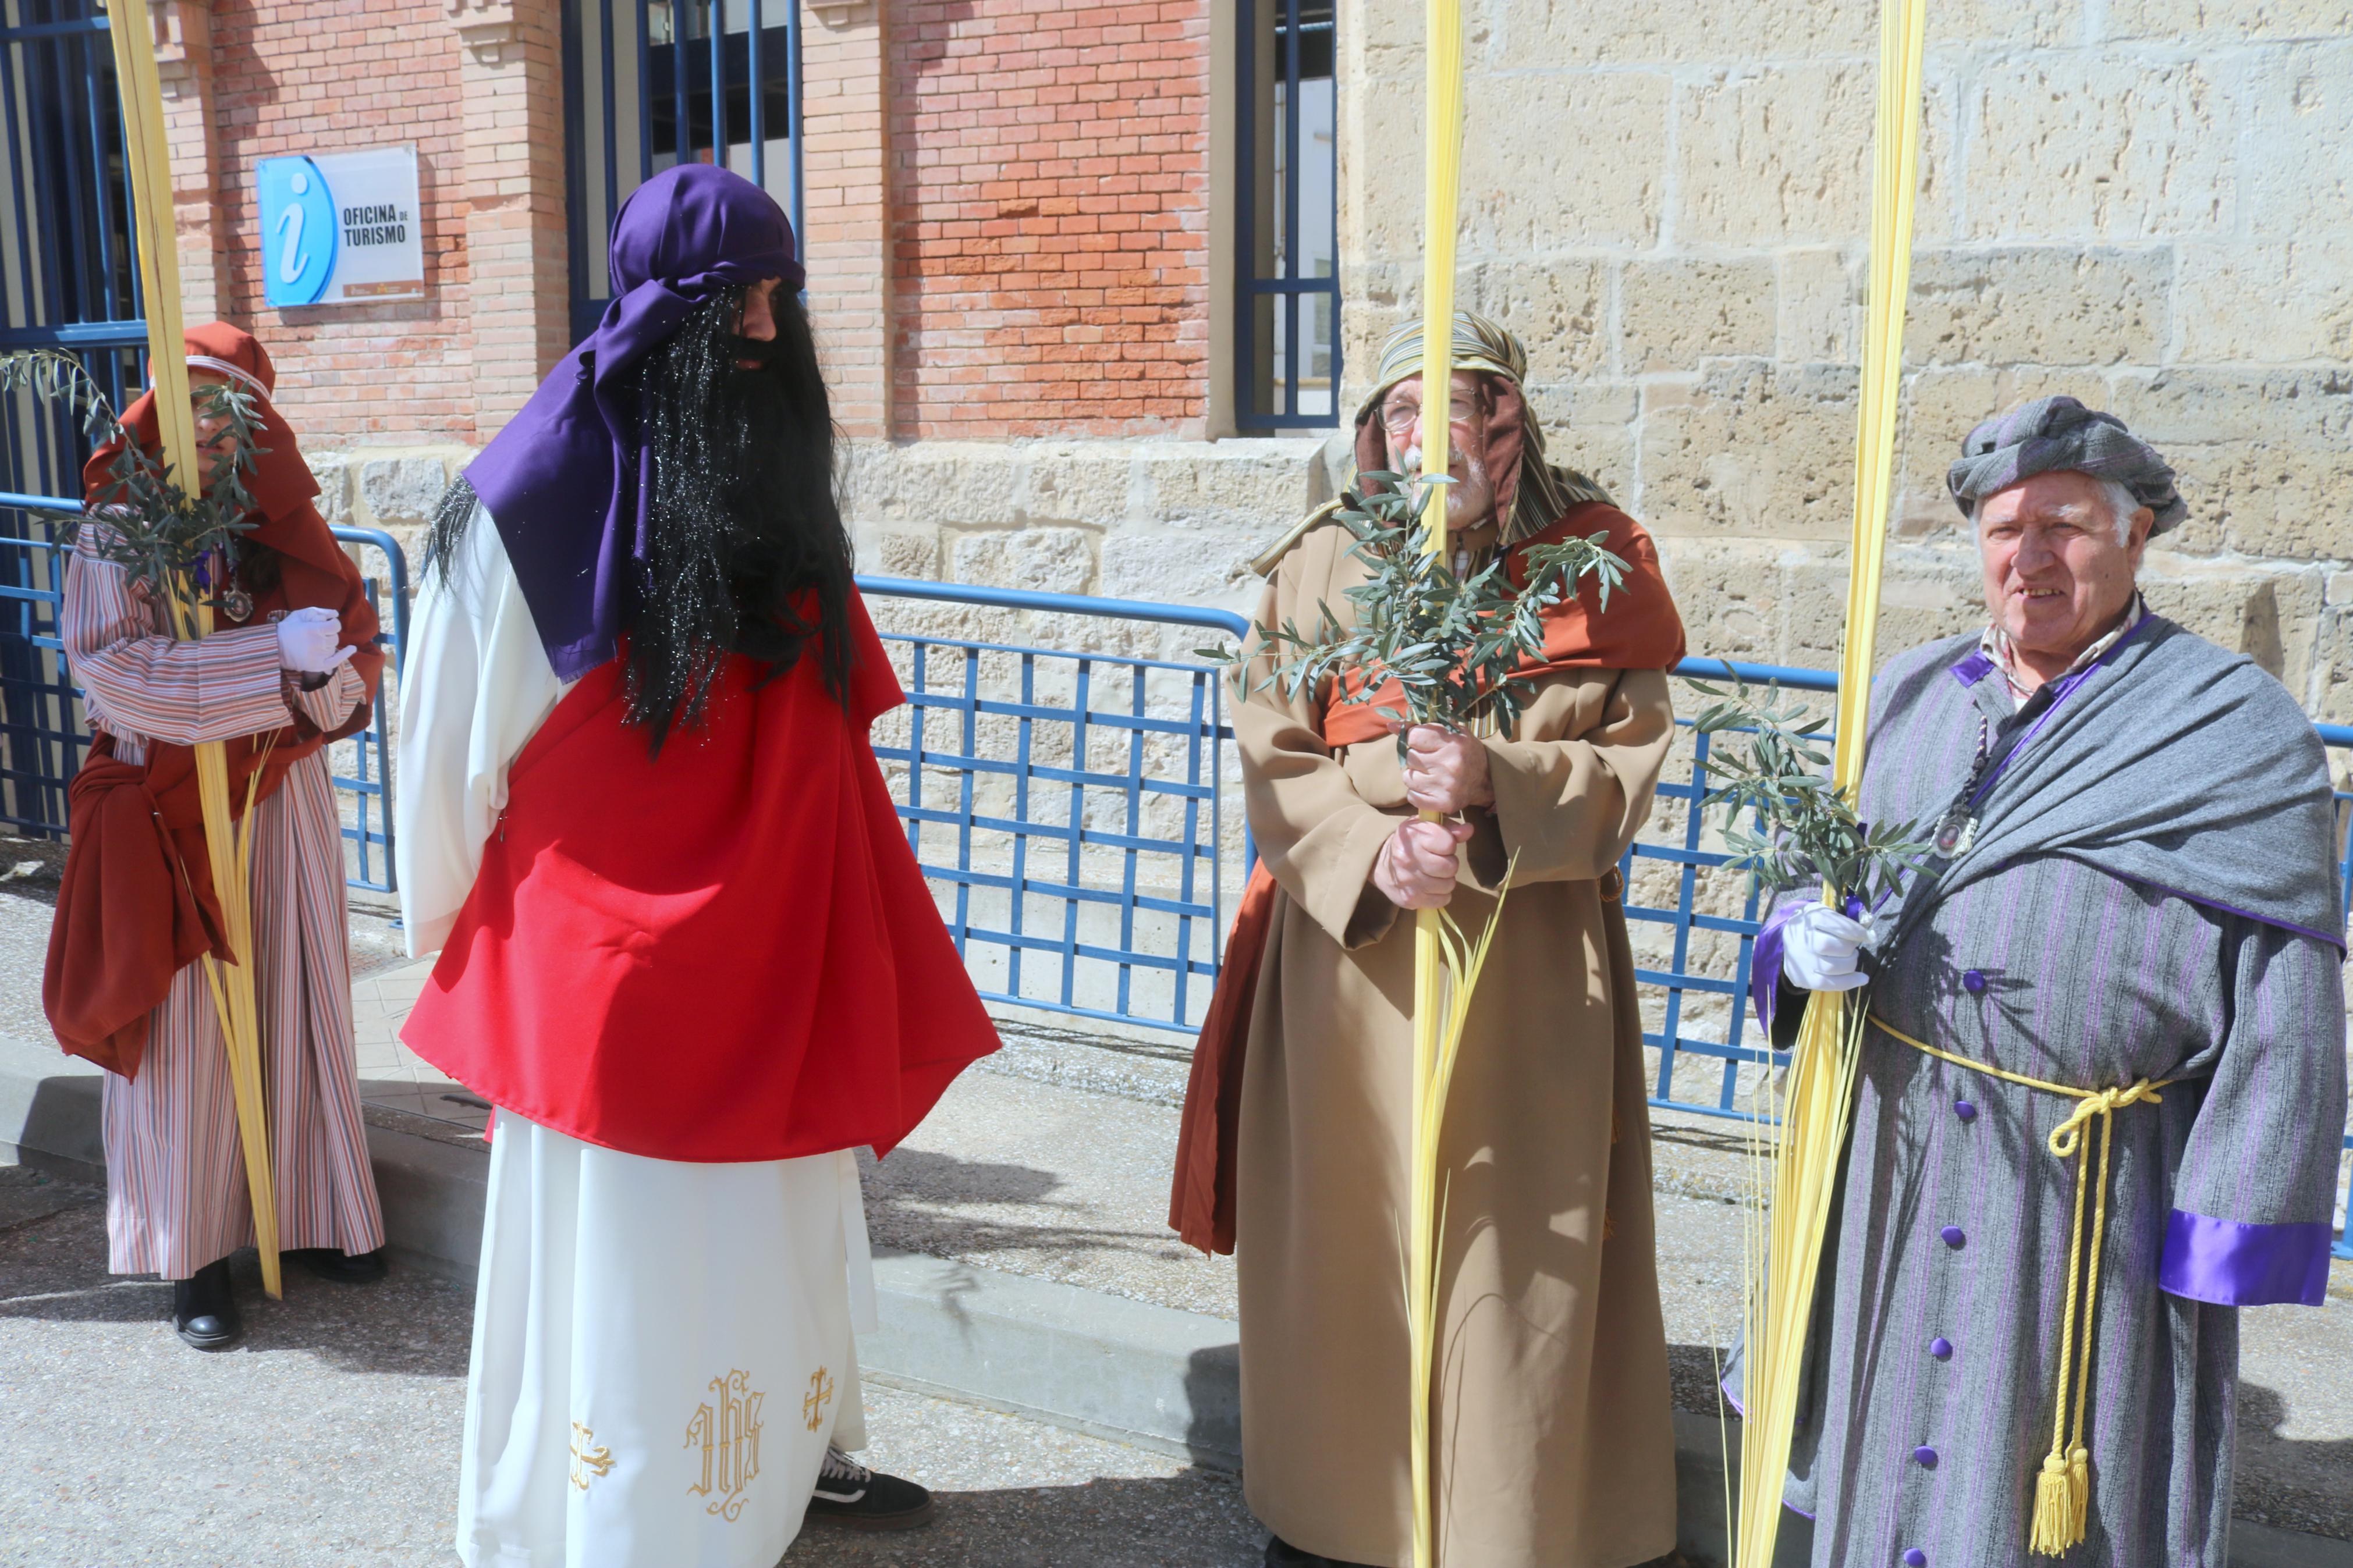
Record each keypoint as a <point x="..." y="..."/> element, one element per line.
<point x="298" y="231"/>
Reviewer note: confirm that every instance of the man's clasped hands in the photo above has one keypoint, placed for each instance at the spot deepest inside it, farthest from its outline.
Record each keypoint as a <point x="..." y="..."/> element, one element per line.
<point x="1445" y="772"/>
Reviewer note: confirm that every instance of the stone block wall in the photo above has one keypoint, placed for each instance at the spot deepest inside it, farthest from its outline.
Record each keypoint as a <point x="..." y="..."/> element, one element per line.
<point x="394" y="487"/>
<point x="1153" y="517"/>
<point x="2146" y="203"/>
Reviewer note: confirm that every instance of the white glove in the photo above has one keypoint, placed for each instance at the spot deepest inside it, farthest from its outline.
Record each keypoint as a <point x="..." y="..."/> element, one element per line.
<point x="307" y="640"/>
<point x="1819" y="947"/>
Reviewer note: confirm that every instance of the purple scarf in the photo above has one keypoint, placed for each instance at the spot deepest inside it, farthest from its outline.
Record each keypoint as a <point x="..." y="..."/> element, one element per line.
<point x="563" y="480"/>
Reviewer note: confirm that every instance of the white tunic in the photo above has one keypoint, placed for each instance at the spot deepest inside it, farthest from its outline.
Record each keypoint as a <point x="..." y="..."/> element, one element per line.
<point x="662" y="1350"/>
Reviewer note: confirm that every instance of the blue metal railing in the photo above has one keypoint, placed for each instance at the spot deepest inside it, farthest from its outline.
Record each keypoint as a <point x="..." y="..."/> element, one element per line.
<point x="369" y="783"/>
<point x="1067" y="806"/>
<point x="1682" y="979"/>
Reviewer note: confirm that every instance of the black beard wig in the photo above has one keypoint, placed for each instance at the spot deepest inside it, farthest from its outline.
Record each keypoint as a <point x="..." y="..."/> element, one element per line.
<point x="743" y="517"/>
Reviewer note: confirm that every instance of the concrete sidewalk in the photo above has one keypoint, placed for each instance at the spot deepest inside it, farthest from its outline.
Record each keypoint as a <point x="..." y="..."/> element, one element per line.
<point x="329" y="1437"/>
<point x="1024" y="1263"/>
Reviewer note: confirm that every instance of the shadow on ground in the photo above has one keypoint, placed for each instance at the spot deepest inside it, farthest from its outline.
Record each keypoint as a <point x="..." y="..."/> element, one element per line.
<point x="1192" y="1520"/>
<point x="53" y="1269"/>
<point x="2287" y="1482"/>
<point x="917" y="1200"/>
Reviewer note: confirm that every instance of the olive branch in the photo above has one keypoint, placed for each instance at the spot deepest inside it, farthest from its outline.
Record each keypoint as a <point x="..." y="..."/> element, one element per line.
<point x="1780" y="783"/>
<point x="144" y="521"/>
<point x="1454" y="644"/>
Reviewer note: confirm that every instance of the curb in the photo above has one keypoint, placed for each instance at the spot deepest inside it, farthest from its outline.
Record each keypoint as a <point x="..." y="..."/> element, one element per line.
<point x="1146" y="1374"/>
<point x="1135" y="1372"/>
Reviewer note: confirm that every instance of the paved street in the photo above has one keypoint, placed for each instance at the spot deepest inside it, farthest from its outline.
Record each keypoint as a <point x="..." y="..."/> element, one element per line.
<point x="329" y="1439"/>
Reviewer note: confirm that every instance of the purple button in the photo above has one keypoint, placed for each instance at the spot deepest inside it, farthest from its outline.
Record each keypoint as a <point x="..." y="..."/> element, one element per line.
<point x="1941" y="1348"/>
<point x="1915" y="1558"/>
<point x="1953" y="1235"/>
<point x="1965" y="1110"/>
<point x="1925" y="1456"/>
<point x="1973" y="980"/>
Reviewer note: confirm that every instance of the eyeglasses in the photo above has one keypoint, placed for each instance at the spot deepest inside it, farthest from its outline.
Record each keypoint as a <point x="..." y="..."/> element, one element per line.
<point x="1400" y="418"/>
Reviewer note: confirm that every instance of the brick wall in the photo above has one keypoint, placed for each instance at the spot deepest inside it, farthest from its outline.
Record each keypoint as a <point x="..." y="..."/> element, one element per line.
<point x="2142" y="202"/>
<point x="845" y="206"/>
<point x="1048" y="173"/>
<point x="328" y="76"/>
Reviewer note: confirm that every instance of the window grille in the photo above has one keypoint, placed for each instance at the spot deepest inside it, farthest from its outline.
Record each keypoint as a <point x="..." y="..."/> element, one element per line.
<point x="1286" y="206"/>
<point x="645" y="90"/>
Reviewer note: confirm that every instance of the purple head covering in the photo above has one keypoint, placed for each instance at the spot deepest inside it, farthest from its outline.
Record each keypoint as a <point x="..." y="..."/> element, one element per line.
<point x="2061" y="433"/>
<point x="563" y="480"/>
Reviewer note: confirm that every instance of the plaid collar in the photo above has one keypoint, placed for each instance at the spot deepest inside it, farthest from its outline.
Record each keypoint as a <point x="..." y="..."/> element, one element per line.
<point x="1994" y="643"/>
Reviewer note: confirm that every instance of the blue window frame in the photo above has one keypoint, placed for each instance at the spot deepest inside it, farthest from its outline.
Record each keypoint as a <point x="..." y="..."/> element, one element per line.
<point x="1286" y="207"/>
<point x="645" y="90"/>
<point x="68" y="279"/>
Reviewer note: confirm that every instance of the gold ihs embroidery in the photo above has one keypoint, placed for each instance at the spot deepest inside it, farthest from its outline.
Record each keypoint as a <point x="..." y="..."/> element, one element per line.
<point x="588" y="1458"/>
<point x="820" y="1394"/>
<point x="729" y="1435"/>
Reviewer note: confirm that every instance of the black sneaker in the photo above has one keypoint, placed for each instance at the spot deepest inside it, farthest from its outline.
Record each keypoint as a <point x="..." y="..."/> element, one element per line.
<point x="849" y="1493"/>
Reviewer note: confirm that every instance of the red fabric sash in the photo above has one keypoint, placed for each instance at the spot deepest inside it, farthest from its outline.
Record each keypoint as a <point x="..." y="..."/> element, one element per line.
<point x="1640" y="630"/>
<point x="725" y="954"/>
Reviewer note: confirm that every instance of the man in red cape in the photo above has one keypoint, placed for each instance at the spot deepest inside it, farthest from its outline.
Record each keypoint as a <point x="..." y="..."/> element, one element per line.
<point x="291" y="666"/>
<point x="1554" y="1446"/>
<point x="685" y="948"/>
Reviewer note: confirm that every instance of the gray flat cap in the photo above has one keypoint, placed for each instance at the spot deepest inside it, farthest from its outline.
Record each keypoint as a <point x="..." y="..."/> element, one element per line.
<point x="2052" y="433"/>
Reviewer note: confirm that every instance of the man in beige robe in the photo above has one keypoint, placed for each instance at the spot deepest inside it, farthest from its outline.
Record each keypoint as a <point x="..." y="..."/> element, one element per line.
<point x="1551" y="1405"/>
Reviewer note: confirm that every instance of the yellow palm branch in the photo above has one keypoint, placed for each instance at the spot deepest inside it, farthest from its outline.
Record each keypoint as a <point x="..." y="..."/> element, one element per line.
<point x="231" y="984"/>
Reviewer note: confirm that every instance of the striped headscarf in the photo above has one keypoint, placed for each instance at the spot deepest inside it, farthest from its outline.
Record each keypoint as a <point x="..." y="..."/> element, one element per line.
<point x="1527" y="502"/>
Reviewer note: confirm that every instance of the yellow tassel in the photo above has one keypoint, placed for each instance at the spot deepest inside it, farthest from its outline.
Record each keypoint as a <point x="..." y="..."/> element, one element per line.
<point x="2079" y="1483"/>
<point x="2054" y="1508"/>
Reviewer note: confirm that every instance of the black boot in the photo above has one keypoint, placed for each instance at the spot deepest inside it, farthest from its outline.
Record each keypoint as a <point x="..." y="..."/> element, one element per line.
<point x="203" y="1310"/>
<point x="1281" y="1553"/>
<point x="344" y="1268"/>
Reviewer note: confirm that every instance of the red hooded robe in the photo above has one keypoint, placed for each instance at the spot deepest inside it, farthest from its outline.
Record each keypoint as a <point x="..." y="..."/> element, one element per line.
<point x="136" y="904"/>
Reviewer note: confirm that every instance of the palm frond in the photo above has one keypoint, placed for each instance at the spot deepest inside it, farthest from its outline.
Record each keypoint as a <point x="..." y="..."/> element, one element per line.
<point x="1454" y="644"/>
<point x="1783" y="822"/>
<point x="144" y="520"/>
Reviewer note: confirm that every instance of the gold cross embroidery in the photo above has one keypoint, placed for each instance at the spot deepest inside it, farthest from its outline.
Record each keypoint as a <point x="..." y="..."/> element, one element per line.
<point x="819" y="1394"/>
<point x="588" y="1456"/>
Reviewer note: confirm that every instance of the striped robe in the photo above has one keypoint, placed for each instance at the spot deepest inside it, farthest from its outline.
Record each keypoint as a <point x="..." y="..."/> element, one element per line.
<point x="177" y="1194"/>
<point x="1934" y="1366"/>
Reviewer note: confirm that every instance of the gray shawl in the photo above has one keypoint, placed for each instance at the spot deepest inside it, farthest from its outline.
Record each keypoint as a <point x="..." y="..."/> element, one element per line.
<point x="2172" y="764"/>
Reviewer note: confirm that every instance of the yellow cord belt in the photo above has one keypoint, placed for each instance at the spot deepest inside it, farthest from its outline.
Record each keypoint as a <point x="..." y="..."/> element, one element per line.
<point x="2063" y="1492"/>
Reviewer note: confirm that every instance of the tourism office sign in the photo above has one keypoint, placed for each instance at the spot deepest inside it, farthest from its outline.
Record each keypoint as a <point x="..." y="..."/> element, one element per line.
<point x="341" y="228"/>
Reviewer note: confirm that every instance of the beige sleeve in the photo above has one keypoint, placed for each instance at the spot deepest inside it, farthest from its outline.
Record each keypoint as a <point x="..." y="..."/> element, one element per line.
<point x="1317" y="835"/>
<point x="1576" y="782"/>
